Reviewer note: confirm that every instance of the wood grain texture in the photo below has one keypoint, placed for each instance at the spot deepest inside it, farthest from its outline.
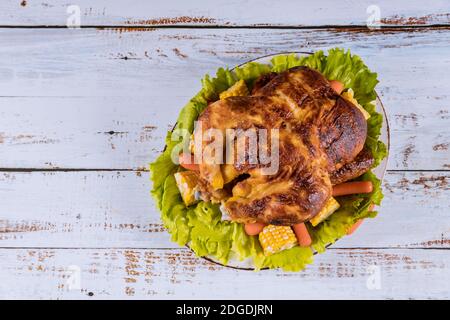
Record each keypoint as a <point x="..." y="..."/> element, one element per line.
<point x="105" y="98"/>
<point x="114" y="210"/>
<point x="83" y="111"/>
<point x="223" y="13"/>
<point x="178" y="274"/>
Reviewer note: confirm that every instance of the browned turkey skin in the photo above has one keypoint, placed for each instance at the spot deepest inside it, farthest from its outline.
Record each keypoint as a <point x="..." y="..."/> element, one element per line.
<point x="363" y="162"/>
<point x="320" y="137"/>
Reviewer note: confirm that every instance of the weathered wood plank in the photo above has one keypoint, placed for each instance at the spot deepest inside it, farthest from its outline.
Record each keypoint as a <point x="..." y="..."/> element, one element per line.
<point x="223" y="13"/>
<point x="128" y="132"/>
<point x="77" y="132"/>
<point x="114" y="209"/>
<point x="113" y="62"/>
<point x="91" y="82"/>
<point x="178" y="274"/>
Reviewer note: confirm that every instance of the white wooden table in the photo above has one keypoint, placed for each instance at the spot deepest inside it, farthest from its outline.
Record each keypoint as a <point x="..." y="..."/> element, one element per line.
<point x="83" y="111"/>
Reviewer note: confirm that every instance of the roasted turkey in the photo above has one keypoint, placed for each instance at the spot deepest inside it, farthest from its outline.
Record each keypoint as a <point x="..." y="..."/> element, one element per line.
<point x="321" y="143"/>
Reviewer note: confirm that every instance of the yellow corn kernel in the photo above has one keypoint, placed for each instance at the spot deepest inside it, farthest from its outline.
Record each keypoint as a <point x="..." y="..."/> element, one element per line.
<point x="349" y="95"/>
<point x="330" y="206"/>
<point x="229" y="173"/>
<point x="274" y="239"/>
<point x="187" y="182"/>
<point x="217" y="179"/>
<point x="237" y="89"/>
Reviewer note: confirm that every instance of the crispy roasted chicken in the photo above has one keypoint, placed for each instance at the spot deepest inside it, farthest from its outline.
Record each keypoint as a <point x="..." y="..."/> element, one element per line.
<point x="321" y="140"/>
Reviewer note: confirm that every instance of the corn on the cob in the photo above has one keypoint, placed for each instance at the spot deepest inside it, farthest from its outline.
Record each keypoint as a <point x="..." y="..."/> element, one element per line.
<point x="330" y="206"/>
<point x="349" y="95"/>
<point x="187" y="183"/>
<point x="237" y="89"/>
<point x="274" y="239"/>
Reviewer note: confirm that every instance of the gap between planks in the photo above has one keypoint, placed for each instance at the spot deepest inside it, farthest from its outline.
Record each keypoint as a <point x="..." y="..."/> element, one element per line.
<point x="269" y="27"/>
<point x="188" y="250"/>
<point x="147" y="170"/>
<point x="72" y="170"/>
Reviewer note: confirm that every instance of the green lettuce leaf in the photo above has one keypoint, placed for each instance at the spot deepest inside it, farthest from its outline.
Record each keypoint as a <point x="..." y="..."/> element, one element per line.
<point x="201" y="225"/>
<point x="283" y="62"/>
<point x="251" y="71"/>
<point x="294" y="259"/>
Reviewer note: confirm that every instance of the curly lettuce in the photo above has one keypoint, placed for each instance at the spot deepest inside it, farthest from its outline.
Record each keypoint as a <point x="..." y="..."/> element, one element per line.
<point x="201" y="226"/>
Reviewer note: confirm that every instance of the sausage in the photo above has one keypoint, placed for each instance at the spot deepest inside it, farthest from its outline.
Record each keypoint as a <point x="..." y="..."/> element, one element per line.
<point x="253" y="229"/>
<point x="352" y="188"/>
<point x="187" y="161"/>
<point x="337" y="86"/>
<point x="302" y="234"/>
